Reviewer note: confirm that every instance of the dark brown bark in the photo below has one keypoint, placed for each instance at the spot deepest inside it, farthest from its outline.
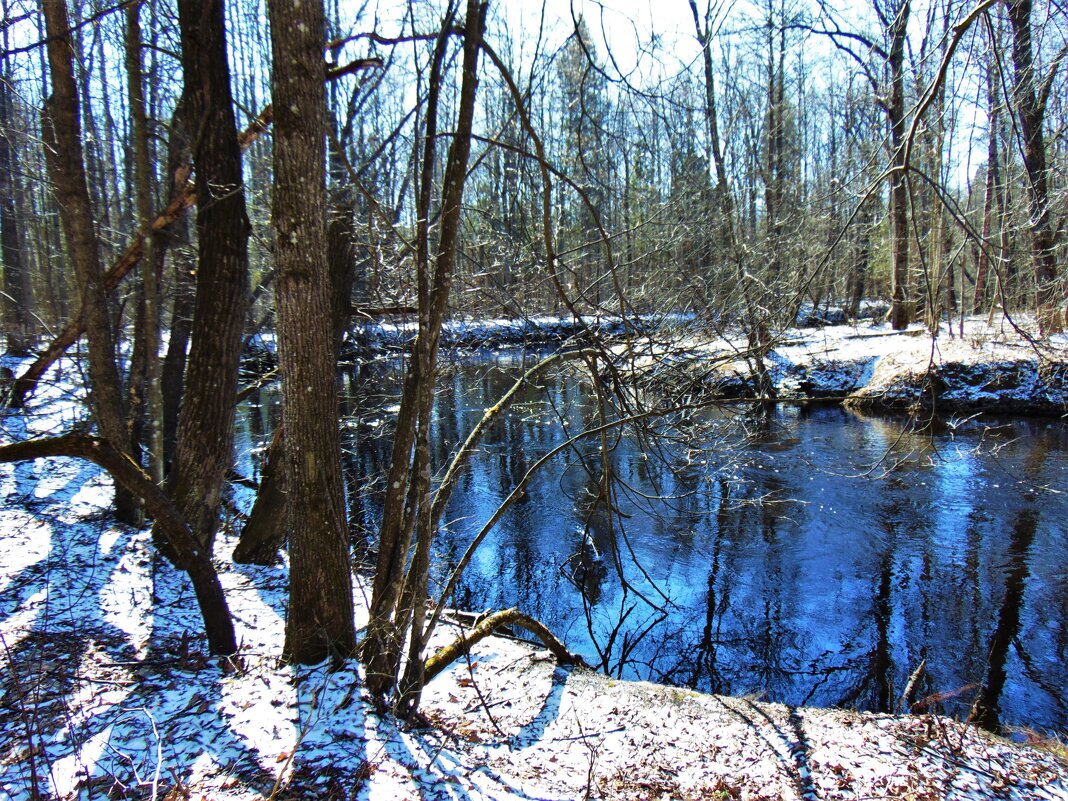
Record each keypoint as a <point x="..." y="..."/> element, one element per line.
<point x="704" y="37"/>
<point x="18" y="294"/>
<point x="900" y="315"/>
<point x="183" y="286"/>
<point x="66" y="167"/>
<point x="991" y="189"/>
<point x="182" y="198"/>
<point x="1030" y="104"/>
<point x="146" y="403"/>
<point x="341" y="257"/>
<point x="383" y="643"/>
<point x="218" y="624"/>
<point x="489" y="626"/>
<point x="320" y="622"/>
<point x="205" y="425"/>
<point x="265" y="530"/>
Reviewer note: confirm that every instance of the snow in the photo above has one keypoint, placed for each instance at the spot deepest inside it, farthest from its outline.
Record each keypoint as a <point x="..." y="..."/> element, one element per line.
<point x="993" y="367"/>
<point x="106" y="687"/>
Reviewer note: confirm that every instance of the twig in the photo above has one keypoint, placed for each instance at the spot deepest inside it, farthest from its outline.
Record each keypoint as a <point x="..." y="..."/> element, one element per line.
<point x="478" y="690"/>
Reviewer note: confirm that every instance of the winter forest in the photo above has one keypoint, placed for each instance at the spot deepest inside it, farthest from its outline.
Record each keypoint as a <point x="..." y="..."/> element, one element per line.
<point x="713" y="343"/>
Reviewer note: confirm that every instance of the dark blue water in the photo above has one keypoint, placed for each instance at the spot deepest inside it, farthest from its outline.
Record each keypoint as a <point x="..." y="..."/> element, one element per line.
<point x="810" y="556"/>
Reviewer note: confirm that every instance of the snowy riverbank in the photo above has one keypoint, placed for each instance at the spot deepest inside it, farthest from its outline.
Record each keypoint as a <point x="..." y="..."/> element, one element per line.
<point x="994" y="368"/>
<point x="107" y="689"/>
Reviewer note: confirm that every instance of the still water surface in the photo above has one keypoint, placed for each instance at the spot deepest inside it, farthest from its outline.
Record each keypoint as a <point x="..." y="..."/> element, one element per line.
<point x="816" y="556"/>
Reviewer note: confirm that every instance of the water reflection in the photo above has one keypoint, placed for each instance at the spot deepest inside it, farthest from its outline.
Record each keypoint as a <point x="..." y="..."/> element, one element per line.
<point x="812" y="556"/>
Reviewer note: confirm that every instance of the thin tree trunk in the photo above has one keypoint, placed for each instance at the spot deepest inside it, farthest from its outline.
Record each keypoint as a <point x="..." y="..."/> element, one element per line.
<point x="181" y="199"/>
<point x="408" y="490"/>
<point x="990" y="189"/>
<point x="183" y="287"/>
<point x="18" y="294"/>
<point x="900" y="315"/>
<point x="149" y="328"/>
<point x="1030" y="103"/>
<point x="63" y="151"/>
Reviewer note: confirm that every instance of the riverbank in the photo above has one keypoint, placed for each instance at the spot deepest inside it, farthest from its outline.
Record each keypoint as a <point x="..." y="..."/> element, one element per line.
<point x="997" y="368"/>
<point x="107" y="689"/>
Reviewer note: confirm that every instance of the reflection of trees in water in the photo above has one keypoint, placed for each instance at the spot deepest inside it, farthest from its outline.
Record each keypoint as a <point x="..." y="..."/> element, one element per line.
<point x="757" y="605"/>
<point x="987" y="708"/>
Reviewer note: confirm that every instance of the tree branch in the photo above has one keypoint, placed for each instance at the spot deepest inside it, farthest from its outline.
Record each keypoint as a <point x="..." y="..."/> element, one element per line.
<point x="490" y="625"/>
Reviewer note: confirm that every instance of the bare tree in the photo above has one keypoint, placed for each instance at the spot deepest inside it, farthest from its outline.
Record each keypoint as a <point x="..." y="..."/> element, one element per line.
<point x="63" y="149"/>
<point x="206" y="424"/>
<point x="17" y="299"/>
<point x="399" y="588"/>
<point x="320" y="621"/>
<point x="1030" y="98"/>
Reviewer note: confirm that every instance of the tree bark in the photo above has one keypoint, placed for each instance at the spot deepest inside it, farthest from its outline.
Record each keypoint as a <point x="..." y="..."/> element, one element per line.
<point x="18" y="293"/>
<point x="148" y="333"/>
<point x="320" y="622"/>
<point x="203" y="451"/>
<point x="183" y="196"/>
<point x="900" y="315"/>
<point x="265" y="530"/>
<point x="183" y="287"/>
<point x="66" y="166"/>
<point x="407" y="504"/>
<point x="991" y="189"/>
<point x="1030" y="104"/>
<point x="489" y="626"/>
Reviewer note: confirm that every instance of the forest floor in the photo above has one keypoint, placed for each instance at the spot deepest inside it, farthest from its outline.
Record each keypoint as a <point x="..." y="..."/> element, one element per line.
<point x="106" y="691"/>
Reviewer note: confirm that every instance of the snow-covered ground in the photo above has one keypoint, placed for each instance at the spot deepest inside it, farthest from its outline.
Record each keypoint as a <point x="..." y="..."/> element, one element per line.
<point x="992" y="368"/>
<point x="106" y="689"/>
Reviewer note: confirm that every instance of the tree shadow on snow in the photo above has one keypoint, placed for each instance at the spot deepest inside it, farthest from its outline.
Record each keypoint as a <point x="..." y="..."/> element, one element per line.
<point x="102" y="689"/>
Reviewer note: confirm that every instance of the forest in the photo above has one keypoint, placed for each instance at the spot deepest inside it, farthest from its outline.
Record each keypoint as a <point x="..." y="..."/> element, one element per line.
<point x="331" y="287"/>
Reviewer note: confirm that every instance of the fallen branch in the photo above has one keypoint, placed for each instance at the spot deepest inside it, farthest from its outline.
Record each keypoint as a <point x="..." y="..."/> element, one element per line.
<point x="218" y="624"/>
<point x="507" y="617"/>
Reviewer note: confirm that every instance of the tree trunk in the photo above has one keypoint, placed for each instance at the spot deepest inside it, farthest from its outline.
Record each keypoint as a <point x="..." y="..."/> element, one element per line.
<point x="990" y="189"/>
<point x="218" y="625"/>
<point x="63" y="152"/>
<point x="265" y="530"/>
<point x="204" y="446"/>
<point x="18" y="294"/>
<point x="148" y="333"/>
<point x="320" y="621"/>
<point x="172" y="237"/>
<point x="900" y="315"/>
<point x="1030" y="104"/>
<point x="407" y="499"/>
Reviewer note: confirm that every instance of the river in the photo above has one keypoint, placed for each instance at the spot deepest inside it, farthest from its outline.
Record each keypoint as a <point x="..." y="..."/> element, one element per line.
<point x="810" y="555"/>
